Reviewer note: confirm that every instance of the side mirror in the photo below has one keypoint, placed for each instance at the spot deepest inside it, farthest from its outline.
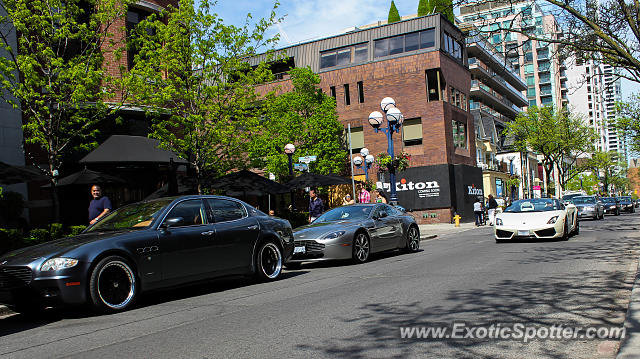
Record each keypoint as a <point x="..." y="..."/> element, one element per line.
<point x="172" y="222"/>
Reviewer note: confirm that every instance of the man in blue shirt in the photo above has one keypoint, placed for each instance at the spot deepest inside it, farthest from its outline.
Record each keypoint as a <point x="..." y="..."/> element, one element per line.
<point x="100" y="205"/>
<point x="316" y="207"/>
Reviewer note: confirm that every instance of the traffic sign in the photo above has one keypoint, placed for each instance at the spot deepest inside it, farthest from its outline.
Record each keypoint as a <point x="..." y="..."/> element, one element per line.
<point x="307" y="159"/>
<point x="301" y="166"/>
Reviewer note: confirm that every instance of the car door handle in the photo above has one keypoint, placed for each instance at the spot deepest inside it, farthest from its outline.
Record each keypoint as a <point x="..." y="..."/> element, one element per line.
<point x="208" y="233"/>
<point x="255" y="226"/>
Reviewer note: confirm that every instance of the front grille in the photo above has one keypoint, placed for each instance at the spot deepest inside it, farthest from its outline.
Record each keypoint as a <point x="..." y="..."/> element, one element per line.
<point x="503" y="234"/>
<point x="309" y="245"/>
<point x="549" y="232"/>
<point x="14" y="277"/>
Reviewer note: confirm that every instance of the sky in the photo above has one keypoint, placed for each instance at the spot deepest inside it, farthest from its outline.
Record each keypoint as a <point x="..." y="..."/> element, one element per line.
<point x="313" y="19"/>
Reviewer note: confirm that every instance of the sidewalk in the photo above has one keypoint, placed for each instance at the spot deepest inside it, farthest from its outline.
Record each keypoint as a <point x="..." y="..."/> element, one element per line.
<point x="630" y="346"/>
<point x="431" y="231"/>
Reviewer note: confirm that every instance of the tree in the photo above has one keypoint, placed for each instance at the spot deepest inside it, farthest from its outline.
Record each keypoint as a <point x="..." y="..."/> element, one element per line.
<point x="610" y="170"/>
<point x="424" y="8"/>
<point x="607" y="31"/>
<point x="56" y="74"/>
<point x="557" y="135"/>
<point x="586" y="181"/>
<point x="306" y="117"/>
<point x="444" y="7"/>
<point x="191" y="72"/>
<point x="628" y="122"/>
<point x="394" y="16"/>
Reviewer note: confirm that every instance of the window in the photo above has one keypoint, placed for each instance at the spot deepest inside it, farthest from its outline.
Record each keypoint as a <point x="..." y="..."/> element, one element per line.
<point x="459" y="134"/>
<point x="531" y="80"/>
<point x="396" y="45"/>
<point x="412" y="132"/>
<point x="496" y="39"/>
<point x="360" y="92"/>
<point x="134" y="17"/>
<point x="343" y="56"/>
<point x="546" y="100"/>
<point x="533" y="102"/>
<point x="328" y="59"/>
<point x="531" y="92"/>
<point x="223" y="210"/>
<point x="360" y="53"/>
<point x="528" y="69"/>
<point x="435" y="86"/>
<point x="191" y="212"/>
<point x="451" y="46"/>
<point x="381" y="48"/>
<point x="357" y="139"/>
<point x="403" y="43"/>
<point x="427" y="38"/>
<point x="528" y="57"/>
<point x="347" y="97"/>
<point x="332" y="91"/>
<point x="412" y="41"/>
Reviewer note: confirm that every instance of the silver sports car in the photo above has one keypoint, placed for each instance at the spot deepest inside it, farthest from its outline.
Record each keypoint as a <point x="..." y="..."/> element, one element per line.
<point x="354" y="232"/>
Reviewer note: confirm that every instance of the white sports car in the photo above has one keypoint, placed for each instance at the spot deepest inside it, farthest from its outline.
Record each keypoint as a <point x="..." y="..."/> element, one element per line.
<point x="537" y="218"/>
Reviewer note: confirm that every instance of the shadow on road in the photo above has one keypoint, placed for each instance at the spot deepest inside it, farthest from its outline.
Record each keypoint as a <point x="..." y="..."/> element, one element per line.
<point x="586" y="298"/>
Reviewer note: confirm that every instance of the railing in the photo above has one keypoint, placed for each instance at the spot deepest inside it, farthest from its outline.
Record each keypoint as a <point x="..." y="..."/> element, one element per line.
<point x="483" y="86"/>
<point x="494" y="75"/>
<point x="492" y="51"/>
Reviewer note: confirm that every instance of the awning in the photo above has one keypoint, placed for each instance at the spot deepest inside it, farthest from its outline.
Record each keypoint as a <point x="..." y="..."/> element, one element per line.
<point x="131" y="149"/>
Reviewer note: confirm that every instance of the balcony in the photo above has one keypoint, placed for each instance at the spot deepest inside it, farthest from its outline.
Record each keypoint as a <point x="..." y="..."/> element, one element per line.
<point x="480" y="70"/>
<point x="480" y="49"/>
<point x="485" y="94"/>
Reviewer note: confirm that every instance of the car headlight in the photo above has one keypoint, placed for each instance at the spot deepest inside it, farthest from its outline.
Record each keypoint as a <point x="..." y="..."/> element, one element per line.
<point x="553" y="220"/>
<point x="589" y="208"/>
<point x="499" y="222"/>
<point x="334" y="235"/>
<point x="58" y="263"/>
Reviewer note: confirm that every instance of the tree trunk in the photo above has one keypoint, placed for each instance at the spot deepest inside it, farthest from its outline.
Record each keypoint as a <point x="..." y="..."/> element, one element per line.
<point x="55" y="201"/>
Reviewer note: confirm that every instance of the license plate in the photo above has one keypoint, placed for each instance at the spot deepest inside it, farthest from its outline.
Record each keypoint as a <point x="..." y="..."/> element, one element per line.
<point x="523" y="233"/>
<point x="299" y="250"/>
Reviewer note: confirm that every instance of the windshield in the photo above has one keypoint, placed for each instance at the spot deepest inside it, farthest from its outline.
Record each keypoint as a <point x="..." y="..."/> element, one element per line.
<point x="570" y="196"/>
<point x="533" y="205"/>
<point x="346" y="213"/>
<point x="583" y="200"/>
<point x="609" y="200"/>
<point x="133" y="216"/>
<point x="625" y="198"/>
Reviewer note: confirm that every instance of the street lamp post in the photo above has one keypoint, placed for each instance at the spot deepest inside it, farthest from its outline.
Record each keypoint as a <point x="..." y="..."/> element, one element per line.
<point x="289" y="149"/>
<point x="367" y="161"/>
<point x="394" y="123"/>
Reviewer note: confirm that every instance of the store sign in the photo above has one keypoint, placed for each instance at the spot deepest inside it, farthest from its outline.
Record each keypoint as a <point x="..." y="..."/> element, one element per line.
<point x="474" y="191"/>
<point x="421" y="187"/>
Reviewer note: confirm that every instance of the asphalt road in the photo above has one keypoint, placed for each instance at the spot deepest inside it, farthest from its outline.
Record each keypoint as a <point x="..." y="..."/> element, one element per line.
<point x="342" y="310"/>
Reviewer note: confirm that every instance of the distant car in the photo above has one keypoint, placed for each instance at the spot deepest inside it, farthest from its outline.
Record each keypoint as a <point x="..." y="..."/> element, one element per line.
<point x="354" y="232"/>
<point x="589" y="206"/>
<point x="569" y="195"/>
<point x="147" y="245"/>
<point x="611" y="205"/>
<point x="626" y="204"/>
<point x="537" y="218"/>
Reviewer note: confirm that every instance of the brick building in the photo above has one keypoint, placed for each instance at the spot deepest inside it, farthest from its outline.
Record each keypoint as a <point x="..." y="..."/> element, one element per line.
<point x="422" y="64"/>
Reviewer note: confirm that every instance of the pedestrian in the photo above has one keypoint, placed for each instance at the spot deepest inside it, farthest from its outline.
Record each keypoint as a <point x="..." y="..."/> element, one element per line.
<point x="492" y="205"/>
<point x="100" y="205"/>
<point x="272" y="213"/>
<point x="347" y="200"/>
<point x="477" y="210"/>
<point x="364" y="196"/>
<point x="381" y="197"/>
<point x="316" y="207"/>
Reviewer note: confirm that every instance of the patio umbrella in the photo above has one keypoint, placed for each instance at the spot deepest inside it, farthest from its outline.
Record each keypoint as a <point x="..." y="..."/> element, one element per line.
<point x="85" y="177"/>
<point x="315" y="180"/>
<point x="10" y="174"/>
<point x="248" y="183"/>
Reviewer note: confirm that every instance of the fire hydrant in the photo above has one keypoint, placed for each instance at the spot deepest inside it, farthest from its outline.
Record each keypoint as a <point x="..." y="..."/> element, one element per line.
<point x="456" y="218"/>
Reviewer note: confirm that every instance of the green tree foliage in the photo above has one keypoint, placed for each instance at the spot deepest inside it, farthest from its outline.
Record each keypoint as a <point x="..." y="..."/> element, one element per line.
<point x="609" y="169"/>
<point x="394" y="16"/>
<point x="628" y="122"/>
<point x="444" y="7"/>
<point x="557" y="135"/>
<point x="199" y="86"/>
<point x="584" y="181"/>
<point x="56" y="73"/>
<point x="424" y="8"/>
<point x="305" y="117"/>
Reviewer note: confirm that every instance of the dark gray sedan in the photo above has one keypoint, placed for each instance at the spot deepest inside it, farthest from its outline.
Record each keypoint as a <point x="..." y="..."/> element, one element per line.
<point x="144" y="246"/>
<point x="354" y="232"/>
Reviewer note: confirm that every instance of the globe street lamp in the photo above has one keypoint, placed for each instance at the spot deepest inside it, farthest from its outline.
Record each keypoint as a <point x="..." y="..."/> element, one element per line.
<point x="368" y="161"/>
<point x="289" y="149"/>
<point x="394" y="120"/>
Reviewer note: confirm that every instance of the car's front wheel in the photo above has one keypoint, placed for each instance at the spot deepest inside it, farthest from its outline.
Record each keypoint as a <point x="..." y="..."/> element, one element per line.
<point x="413" y="240"/>
<point x="269" y="261"/>
<point x="113" y="285"/>
<point x="361" y="248"/>
<point x="576" y="230"/>
<point x="565" y="230"/>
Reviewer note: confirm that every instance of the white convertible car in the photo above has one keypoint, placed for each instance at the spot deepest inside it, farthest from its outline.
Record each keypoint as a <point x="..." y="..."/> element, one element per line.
<point x="537" y="218"/>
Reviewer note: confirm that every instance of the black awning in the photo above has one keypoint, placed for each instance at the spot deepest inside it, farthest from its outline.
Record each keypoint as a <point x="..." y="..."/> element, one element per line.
<point x="130" y="149"/>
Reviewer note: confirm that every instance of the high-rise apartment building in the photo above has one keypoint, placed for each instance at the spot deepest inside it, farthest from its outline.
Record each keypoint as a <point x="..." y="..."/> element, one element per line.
<point x="544" y="74"/>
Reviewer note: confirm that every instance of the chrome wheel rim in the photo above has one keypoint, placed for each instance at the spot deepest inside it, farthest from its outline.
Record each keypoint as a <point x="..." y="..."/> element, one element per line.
<point x="116" y="285"/>
<point x="270" y="261"/>
<point x="414" y="240"/>
<point x="361" y="247"/>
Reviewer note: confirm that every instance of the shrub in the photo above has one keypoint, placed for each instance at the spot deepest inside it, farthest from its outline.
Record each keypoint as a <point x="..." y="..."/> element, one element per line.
<point x="75" y="230"/>
<point x="10" y="239"/>
<point x="55" y="230"/>
<point x="38" y="235"/>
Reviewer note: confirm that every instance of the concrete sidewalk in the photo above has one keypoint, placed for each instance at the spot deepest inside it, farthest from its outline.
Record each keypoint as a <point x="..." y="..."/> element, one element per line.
<point x="431" y="231"/>
<point x="630" y="346"/>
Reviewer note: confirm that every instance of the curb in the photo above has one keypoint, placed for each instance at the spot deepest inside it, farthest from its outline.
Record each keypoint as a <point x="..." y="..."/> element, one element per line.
<point x="630" y="345"/>
<point x="431" y="236"/>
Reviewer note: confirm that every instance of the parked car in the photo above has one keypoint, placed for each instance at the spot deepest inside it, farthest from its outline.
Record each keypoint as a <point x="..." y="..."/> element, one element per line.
<point x="354" y="232"/>
<point x="611" y="205"/>
<point x="537" y="218"/>
<point x="571" y="194"/>
<point x="589" y="206"/>
<point x="147" y="245"/>
<point x="626" y="204"/>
